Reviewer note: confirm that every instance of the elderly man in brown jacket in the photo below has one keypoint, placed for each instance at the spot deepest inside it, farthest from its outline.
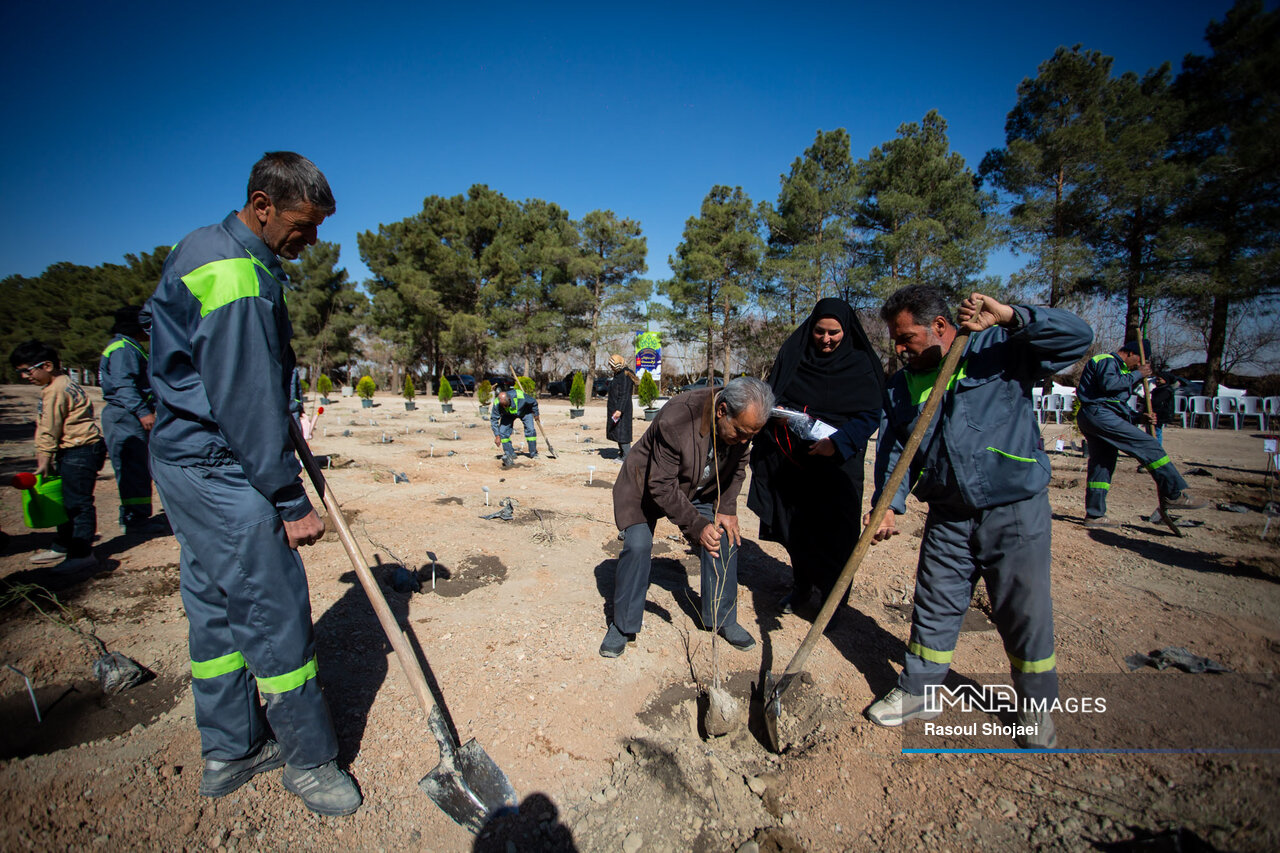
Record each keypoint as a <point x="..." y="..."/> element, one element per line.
<point x="688" y="466"/>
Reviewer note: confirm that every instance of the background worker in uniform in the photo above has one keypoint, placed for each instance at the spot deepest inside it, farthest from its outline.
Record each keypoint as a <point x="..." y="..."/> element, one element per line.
<point x="618" y="405"/>
<point x="224" y="464"/>
<point x="508" y="407"/>
<point x="128" y="414"/>
<point x="1105" y="420"/>
<point x="985" y="478"/>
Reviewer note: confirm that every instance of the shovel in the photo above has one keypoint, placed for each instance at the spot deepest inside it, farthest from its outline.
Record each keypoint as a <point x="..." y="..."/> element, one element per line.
<point x="773" y="690"/>
<point x="551" y="451"/>
<point x="467" y="785"/>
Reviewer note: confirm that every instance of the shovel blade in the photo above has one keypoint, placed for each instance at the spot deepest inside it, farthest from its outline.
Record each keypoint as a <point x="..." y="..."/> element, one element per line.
<point x="773" y="691"/>
<point x="471" y="789"/>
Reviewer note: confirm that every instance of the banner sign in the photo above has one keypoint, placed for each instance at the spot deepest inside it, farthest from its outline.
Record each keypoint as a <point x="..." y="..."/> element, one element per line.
<point x="649" y="354"/>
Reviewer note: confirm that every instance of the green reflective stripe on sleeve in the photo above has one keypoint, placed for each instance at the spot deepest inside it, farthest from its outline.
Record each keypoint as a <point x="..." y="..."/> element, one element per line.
<point x="1033" y="665"/>
<point x="288" y="681"/>
<point x="1105" y="486"/>
<point x="220" y="283"/>
<point x="932" y="655"/>
<point x="135" y="501"/>
<point x="1159" y="463"/>
<point x="217" y="666"/>
<point x="1009" y="455"/>
<point x="112" y="347"/>
<point x="1102" y="356"/>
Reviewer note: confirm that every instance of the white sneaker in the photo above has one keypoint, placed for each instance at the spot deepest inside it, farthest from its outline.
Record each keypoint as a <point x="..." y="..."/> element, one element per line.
<point x="897" y="707"/>
<point x="48" y="556"/>
<point x="1043" y="736"/>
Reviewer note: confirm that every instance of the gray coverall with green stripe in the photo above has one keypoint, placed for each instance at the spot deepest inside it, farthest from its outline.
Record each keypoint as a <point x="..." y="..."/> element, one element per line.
<point x="1104" y="420"/>
<point x="225" y="467"/>
<point x="984" y="475"/>
<point x="126" y="392"/>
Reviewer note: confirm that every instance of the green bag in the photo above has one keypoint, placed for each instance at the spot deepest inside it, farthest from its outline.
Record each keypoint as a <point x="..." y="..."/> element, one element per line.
<point x="42" y="506"/>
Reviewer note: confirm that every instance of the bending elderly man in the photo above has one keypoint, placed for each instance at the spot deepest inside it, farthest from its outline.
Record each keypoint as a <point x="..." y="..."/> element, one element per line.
<point x="688" y="466"/>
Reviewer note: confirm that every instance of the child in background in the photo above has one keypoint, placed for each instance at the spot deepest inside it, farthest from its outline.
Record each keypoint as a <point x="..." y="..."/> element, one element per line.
<point x="68" y="444"/>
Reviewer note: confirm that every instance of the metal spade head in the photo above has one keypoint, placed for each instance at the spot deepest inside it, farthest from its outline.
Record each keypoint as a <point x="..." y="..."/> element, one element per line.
<point x="469" y="787"/>
<point x="773" y="691"/>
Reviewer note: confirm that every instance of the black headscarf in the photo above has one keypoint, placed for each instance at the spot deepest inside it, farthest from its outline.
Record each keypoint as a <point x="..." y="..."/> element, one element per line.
<point x="836" y="386"/>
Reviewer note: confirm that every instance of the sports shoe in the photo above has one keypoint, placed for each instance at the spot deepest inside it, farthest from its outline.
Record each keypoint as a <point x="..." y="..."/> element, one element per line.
<point x="508" y="463"/>
<point x="615" y="643"/>
<point x="222" y="777"/>
<point x="1183" y="501"/>
<point x="147" y="526"/>
<point x="1096" y="521"/>
<point x="897" y="707"/>
<point x="325" y="789"/>
<point x="1043" y="735"/>
<point x="533" y="455"/>
<point x="49" y="555"/>
<point x="737" y="636"/>
<point x="76" y="565"/>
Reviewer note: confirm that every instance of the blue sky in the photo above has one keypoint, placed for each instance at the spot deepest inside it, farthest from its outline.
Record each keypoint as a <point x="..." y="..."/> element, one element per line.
<point x="130" y="124"/>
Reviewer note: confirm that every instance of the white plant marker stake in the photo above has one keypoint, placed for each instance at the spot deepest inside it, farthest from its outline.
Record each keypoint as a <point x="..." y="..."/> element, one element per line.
<point x="485" y="489"/>
<point x="433" y="451"/>
<point x="591" y="471"/>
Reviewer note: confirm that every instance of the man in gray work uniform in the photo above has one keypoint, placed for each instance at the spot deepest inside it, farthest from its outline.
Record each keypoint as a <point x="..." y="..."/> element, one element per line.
<point x="981" y="470"/>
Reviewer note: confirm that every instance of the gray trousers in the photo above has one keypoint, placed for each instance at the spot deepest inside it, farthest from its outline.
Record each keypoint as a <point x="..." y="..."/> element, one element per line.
<point x="1108" y="434"/>
<point x="127" y="445"/>
<point x="719" y="579"/>
<point x="1008" y="547"/>
<point x="249" y="618"/>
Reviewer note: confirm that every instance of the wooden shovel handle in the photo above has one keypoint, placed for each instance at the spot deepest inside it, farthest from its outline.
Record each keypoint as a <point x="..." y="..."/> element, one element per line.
<point x="881" y="508"/>
<point x="399" y="642"/>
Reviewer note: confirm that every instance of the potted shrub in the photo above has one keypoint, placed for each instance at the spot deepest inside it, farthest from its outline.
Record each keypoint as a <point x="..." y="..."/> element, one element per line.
<point x="647" y="392"/>
<point x="324" y="385"/>
<point x="445" y="394"/>
<point x="527" y="385"/>
<point x="364" y="390"/>
<point x="577" y="396"/>
<point x="484" y="394"/>
<point x="409" y="393"/>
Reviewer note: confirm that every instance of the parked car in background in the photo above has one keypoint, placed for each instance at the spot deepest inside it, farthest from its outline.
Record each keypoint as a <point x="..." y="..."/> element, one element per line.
<point x="461" y="383"/>
<point x="716" y="382"/>
<point x="499" y="381"/>
<point x="560" y="387"/>
<point x="600" y="386"/>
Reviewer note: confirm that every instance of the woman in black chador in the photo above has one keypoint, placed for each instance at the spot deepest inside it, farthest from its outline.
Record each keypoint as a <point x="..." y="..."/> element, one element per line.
<point x="618" y="423"/>
<point x="809" y="494"/>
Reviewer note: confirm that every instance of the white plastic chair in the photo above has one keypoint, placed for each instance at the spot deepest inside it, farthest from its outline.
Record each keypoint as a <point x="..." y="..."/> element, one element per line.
<point x="1202" y="406"/>
<point x="1180" y="409"/>
<point x="1037" y="406"/>
<point x="1054" y="403"/>
<point x="1251" y="407"/>
<point x="1227" y="407"/>
<point x="1271" y="408"/>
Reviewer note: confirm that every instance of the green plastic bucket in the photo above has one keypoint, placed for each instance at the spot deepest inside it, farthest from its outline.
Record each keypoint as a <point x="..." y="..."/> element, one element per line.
<point x="42" y="506"/>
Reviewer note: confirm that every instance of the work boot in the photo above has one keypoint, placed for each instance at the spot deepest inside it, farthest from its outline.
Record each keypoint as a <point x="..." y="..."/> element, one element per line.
<point x="897" y="707"/>
<point x="76" y="565"/>
<point x="737" y="636"/>
<point x="615" y="643"/>
<point x="1184" y="500"/>
<point x="222" y="777"/>
<point x="508" y="462"/>
<point x="1094" y="522"/>
<point x="1043" y="735"/>
<point x="49" y="555"/>
<point x="325" y="789"/>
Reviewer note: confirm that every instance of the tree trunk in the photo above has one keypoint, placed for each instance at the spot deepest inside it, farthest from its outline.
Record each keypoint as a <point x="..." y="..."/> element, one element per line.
<point x="1217" y="343"/>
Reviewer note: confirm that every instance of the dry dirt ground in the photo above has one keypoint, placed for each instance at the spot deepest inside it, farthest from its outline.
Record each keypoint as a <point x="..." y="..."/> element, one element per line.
<point x="609" y="754"/>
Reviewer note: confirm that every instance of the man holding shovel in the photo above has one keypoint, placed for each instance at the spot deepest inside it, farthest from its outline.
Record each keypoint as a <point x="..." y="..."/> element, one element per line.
<point x="981" y="470"/>
<point x="224" y="464"/>
<point x="509" y="407"/>
<point x="1105" y="421"/>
